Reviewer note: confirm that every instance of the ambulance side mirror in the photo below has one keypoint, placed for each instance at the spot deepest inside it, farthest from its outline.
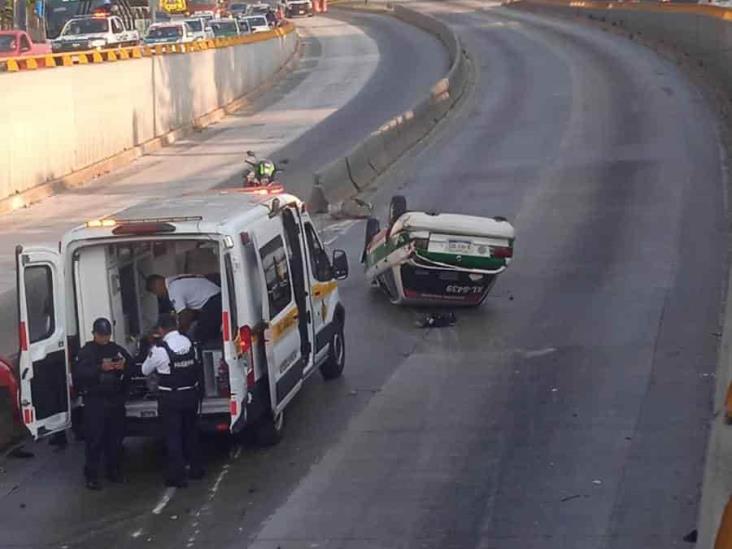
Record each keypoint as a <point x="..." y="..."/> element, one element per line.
<point x="340" y="265"/>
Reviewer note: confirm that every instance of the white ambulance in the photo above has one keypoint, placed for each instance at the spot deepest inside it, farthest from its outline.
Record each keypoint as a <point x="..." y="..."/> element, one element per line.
<point x="282" y="318"/>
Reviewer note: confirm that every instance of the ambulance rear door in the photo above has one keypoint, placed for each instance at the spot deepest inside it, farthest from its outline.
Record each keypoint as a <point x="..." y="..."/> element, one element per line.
<point x="44" y="374"/>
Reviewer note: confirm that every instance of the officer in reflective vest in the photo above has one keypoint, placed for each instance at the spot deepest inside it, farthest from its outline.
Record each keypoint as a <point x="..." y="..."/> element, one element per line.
<point x="174" y="360"/>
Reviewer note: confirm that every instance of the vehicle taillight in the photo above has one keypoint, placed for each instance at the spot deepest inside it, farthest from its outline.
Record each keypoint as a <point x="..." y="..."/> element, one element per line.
<point x="245" y="348"/>
<point x="245" y="340"/>
<point x="502" y="252"/>
<point x="22" y="337"/>
<point x="222" y="379"/>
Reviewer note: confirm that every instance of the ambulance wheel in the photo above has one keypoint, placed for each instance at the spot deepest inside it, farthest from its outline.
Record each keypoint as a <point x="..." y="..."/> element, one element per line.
<point x="269" y="429"/>
<point x="397" y="207"/>
<point x="333" y="366"/>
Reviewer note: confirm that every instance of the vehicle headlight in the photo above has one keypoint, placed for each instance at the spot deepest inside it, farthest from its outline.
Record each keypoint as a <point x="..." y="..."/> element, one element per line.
<point x="98" y="43"/>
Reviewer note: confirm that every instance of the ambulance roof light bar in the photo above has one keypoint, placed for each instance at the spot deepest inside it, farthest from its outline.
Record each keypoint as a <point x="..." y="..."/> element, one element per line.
<point x="97" y="223"/>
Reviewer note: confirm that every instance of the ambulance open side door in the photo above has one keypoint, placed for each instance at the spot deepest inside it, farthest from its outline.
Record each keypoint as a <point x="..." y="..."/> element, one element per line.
<point x="283" y="342"/>
<point x="44" y="375"/>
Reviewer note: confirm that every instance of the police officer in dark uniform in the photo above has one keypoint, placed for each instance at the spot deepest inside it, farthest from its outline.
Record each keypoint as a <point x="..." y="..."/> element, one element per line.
<point x="100" y="375"/>
<point x="174" y="360"/>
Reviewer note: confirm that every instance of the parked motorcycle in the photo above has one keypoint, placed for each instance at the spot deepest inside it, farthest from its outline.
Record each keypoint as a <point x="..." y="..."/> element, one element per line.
<point x="260" y="172"/>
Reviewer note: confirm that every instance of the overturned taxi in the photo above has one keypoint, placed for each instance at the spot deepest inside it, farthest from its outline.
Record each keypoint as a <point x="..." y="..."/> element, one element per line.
<point x="424" y="258"/>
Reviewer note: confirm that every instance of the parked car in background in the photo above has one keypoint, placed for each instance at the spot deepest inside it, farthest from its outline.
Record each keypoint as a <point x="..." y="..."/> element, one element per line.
<point x="238" y="9"/>
<point x="244" y="26"/>
<point x="257" y="23"/>
<point x="17" y="43"/>
<point x="294" y="8"/>
<point x="224" y="28"/>
<point x="168" y="33"/>
<point x="94" y="32"/>
<point x="260" y="9"/>
<point x="198" y="28"/>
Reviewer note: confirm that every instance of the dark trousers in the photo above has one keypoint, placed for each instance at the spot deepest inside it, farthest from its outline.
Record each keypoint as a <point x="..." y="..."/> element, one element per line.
<point x="209" y="321"/>
<point x="179" y="419"/>
<point x="104" y="430"/>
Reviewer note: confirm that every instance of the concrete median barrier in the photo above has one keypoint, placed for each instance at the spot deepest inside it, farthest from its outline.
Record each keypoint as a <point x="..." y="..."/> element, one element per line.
<point x="372" y="157"/>
<point x="333" y="184"/>
<point x="101" y="116"/>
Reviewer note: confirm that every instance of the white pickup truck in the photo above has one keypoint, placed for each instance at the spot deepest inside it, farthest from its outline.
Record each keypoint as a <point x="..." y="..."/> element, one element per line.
<point x="94" y="32"/>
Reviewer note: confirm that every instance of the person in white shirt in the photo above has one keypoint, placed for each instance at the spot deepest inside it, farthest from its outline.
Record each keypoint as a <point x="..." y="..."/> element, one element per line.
<point x="174" y="360"/>
<point x="193" y="297"/>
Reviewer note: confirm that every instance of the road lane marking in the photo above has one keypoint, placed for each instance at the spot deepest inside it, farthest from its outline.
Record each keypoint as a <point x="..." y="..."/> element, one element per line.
<point x="540" y="352"/>
<point x="167" y="496"/>
<point x="215" y="487"/>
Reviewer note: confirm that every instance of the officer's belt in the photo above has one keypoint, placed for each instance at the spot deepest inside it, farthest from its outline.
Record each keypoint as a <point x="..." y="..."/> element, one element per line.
<point x="172" y="390"/>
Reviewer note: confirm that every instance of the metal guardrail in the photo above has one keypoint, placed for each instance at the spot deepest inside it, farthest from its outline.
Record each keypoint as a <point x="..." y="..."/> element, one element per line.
<point x="53" y="60"/>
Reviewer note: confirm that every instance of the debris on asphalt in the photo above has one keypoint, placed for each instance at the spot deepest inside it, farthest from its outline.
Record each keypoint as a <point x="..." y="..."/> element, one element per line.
<point x="570" y="498"/>
<point x="437" y="320"/>
<point x="692" y="536"/>
<point x="597" y="482"/>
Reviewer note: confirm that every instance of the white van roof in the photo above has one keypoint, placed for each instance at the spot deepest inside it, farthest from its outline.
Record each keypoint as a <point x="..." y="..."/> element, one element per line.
<point x="203" y="213"/>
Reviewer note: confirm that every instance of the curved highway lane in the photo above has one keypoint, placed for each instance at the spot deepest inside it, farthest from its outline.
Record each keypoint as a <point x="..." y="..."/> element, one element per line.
<point x="570" y="411"/>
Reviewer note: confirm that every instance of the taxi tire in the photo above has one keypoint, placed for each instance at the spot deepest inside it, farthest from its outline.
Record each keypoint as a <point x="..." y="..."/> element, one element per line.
<point x="269" y="429"/>
<point x="332" y="368"/>
<point x="372" y="229"/>
<point x="397" y="208"/>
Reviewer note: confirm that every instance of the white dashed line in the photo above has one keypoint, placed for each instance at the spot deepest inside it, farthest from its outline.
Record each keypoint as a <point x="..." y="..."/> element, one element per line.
<point x="167" y="496"/>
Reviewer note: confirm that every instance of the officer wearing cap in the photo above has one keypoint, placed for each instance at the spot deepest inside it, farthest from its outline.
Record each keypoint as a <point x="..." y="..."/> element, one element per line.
<point x="100" y="375"/>
<point x="174" y="360"/>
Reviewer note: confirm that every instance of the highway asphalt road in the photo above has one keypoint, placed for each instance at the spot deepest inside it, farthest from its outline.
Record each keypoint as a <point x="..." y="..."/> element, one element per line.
<point x="570" y="411"/>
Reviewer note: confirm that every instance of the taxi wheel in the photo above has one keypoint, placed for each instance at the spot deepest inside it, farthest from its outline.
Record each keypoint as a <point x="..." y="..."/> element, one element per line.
<point x="333" y="367"/>
<point x="372" y="229"/>
<point x="397" y="207"/>
<point x="269" y="429"/>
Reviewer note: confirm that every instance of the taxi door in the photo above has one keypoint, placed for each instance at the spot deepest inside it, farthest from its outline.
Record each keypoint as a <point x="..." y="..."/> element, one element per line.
<point x="283" y="343"/>
<point x="43" y="366"/>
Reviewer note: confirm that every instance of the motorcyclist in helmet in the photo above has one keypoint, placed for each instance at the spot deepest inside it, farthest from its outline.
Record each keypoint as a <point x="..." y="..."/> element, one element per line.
<point x="265" y="171"/>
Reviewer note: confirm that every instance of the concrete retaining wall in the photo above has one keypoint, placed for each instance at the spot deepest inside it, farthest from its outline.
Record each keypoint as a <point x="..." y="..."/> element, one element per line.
<point x="346" y="177"/>
<point x="58" y="121"/>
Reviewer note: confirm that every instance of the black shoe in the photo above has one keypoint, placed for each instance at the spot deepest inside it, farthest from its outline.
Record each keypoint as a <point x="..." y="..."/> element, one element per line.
<point x="196" y="474"/>
<point x="93" y="484"/>
<point x="176" y="483"/>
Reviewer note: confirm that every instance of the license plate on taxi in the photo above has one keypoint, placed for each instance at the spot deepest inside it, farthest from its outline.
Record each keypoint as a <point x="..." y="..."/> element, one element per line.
<point x="458" y="246"/>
